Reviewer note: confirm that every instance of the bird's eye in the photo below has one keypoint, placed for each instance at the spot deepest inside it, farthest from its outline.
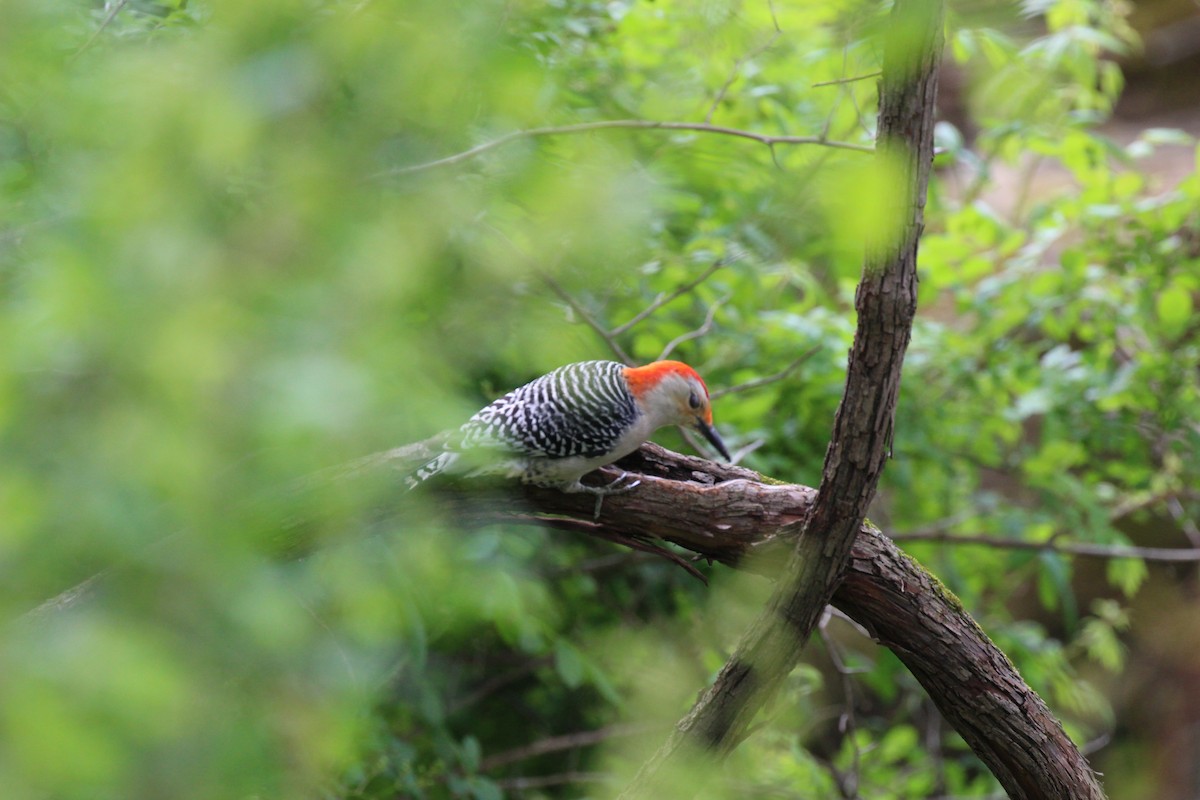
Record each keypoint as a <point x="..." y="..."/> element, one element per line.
<point x="694" y="400"/>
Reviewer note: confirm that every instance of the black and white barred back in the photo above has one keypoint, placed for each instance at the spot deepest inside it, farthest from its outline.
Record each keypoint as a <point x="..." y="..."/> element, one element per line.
<point x="579" y="409"/>
<point x="576" y="410"/>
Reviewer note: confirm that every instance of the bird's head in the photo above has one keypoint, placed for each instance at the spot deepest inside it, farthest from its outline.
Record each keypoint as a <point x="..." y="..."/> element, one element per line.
<point x="673" y="394"/>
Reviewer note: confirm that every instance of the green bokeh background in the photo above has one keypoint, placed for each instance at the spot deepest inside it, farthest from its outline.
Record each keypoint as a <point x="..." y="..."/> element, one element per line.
<point x="220" y="274"/>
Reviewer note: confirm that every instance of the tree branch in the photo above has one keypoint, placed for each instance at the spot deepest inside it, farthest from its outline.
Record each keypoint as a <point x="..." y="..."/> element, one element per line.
<point x="112" y="14"/>
<point x="665" y="298"/>
<point x="728" y="514"/>
<point x="862" y="429"/>
<point x="703" y="330"/>
<point x="840" y="81"/>
<point x="546" y="781"/>
<point x="553" y="744"/>
<point x="593" y="323"/>
<point x="1086" y="549"/>
<point x="608" y="124"/>
<point x="631" y="539"/>
<point x="766" y="380"/>
<point x="737" y="69"/>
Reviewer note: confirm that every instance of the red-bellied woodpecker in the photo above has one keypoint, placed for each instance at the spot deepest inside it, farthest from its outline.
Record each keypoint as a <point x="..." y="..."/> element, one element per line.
<point x="561" y="426"/>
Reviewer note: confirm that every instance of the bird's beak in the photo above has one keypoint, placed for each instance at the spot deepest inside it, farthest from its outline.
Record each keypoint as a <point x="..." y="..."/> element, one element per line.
<point x="710" y="433"/>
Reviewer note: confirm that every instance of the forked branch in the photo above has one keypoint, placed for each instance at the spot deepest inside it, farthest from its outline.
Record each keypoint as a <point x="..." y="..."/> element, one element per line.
<point x="729" y="514"/>
<point x="629" y="124"/>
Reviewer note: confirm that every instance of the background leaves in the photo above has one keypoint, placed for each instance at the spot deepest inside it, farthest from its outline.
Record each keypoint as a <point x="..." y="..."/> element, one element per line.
<point x="219" y="274"/>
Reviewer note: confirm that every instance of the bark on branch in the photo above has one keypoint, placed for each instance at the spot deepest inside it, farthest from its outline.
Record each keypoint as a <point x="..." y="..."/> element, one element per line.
<point x="729" y="514"/>
<point x="862" y="429"/>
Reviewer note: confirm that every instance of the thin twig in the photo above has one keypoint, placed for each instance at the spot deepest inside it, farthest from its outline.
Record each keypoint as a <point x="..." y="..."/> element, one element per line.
<point x="497" y="683"/>
<point x="637" y="124"/>
<point x="696" y="334"/>
<point x="848" y="782"/>
<point x="599" y="564"/>
<point x="604" y="333"/>
<point x="844" y="89"/>
<point x="591" y="321"/>
<point x="1071" y="548"/>
<point x="737" y="68"/>
<point x="568" y="741"/>
<point x="737" y="455"/>
<point x="633" y="541"/>
<point x="1186" y="523"/>
<point x="836" y="81"/>
<point x="1025" y="186"/>
<point x="116" y="9"/>
<point x="1169" y="497"/>
<point x="664" y="298"/>
<point x="1095" y="745"/>
<point x="834" y="611"/>
<point x="700" y="446"/>
<point x="758" y="383"/>
<point x="542" y="781"/>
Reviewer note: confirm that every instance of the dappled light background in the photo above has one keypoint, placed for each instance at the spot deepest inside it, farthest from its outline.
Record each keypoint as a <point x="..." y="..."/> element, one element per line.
<point x="230" y="263"/>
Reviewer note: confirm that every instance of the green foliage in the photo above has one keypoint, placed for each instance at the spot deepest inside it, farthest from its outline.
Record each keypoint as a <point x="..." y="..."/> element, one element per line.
<point x="225" y="265"/>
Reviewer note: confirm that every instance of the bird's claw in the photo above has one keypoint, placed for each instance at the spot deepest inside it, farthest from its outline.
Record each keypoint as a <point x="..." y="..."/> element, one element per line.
<point x="614" y="487"/>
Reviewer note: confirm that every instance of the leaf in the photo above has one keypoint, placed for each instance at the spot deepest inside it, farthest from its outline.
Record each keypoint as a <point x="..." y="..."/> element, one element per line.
<point x="569" y="663"/>
<point x="1102" y="644"/>
<point x="1034" y="402"/>
<point x="1168" y="136"/>
<point x="1174" y="309"/>
<point x="471" y="754"/>
<point x="1127" y="574"/>
<point x="1054" y="586"/>
<point x="947" y="137"/>
<point x="481" y="788"/>
<point x="898" y="743"/>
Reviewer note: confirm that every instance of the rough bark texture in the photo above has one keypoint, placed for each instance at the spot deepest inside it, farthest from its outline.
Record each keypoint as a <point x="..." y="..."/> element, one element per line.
<point x="862" y="430"/>
<point x="728" y="514"/>
<point x="974" y="685"/>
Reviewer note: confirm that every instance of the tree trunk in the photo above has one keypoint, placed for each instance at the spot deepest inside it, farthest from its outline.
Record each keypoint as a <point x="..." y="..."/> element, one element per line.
<point x="862" y="430"/>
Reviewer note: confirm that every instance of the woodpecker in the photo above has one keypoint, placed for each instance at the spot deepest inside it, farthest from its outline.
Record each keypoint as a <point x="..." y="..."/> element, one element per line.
<point x="580" y="417"/>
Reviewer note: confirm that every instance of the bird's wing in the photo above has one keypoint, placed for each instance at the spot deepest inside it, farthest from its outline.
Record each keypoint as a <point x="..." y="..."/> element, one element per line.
<point x="577" y="410"/>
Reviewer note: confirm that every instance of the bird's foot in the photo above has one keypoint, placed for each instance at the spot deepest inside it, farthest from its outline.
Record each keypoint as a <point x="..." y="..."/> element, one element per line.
<point x="617" y="486"/>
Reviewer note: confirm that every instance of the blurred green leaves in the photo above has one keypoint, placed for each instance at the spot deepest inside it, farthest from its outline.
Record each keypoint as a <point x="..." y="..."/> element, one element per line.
<point x="207" y="296"/>
<point x="217" y="277"/>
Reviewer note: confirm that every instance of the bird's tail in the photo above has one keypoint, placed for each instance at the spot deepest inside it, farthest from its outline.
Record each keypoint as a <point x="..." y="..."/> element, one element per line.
<point x="435" y="466"/>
